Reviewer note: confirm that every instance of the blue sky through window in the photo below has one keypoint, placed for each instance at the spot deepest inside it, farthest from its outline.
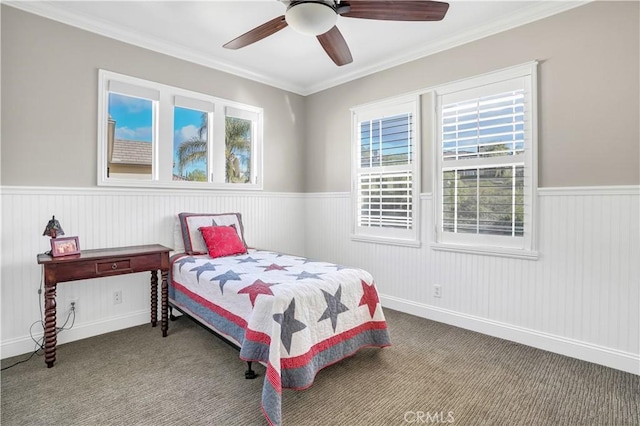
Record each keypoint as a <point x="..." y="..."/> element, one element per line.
<point x="133" y="117"/>
<point x="386" y="141"/>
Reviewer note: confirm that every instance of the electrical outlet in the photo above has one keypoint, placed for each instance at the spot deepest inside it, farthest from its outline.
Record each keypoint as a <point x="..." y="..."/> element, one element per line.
<point x="437" y="291"/>
<point x="72" y="303"/>
<point x="117" y="297"/>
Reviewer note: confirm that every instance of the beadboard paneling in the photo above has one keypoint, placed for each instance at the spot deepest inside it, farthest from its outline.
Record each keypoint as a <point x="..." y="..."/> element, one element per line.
<point x="112" y="218"/>
<point x="580" y="298"/>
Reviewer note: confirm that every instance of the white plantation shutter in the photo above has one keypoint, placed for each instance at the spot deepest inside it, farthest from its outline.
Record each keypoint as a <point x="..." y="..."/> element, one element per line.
<point x="487" y="126"/>
<point x="484" y="200"/>
<point x="385" y="199"/>
<point x="385" y="171"/>
<point x="486" y="174"/>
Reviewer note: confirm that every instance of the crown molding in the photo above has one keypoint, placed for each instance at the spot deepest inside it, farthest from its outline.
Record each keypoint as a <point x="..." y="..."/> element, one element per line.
<point x="56" y="12"/>
<point x="537" y="11"/>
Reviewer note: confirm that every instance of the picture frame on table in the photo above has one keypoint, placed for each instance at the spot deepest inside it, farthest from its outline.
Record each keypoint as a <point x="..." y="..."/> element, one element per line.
<point x="65" y="246"/>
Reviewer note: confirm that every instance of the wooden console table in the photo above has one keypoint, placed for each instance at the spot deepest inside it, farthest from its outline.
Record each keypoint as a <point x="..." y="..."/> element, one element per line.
<point x="102" y="263"/>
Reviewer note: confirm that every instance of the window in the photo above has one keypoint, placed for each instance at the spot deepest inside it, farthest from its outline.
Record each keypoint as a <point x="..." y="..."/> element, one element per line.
<point x="191" y="136"/>
<point x="240" y="136"/>
<point x="131" y="135"/>
<point x="386" y="171"/>
<point x="154" y="135"/>
<point x="485" y="151"/>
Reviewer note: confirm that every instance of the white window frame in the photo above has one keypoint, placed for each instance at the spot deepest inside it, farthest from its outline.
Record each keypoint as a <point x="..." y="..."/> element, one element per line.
<point x="378" y="110"/>
<point x="520" y="247"/>
<point x="163" y="116"/>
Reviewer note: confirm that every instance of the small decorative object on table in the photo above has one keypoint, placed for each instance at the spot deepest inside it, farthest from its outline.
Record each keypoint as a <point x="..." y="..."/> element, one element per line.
<point x="65" y="246"/>
<point x="53" y="228"/>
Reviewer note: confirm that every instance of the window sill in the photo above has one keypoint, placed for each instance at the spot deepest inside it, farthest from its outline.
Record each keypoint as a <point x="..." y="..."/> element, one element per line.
<point x="205" y="186"/>
<point x="387" y="241"/>
<point x="488" y="251"/>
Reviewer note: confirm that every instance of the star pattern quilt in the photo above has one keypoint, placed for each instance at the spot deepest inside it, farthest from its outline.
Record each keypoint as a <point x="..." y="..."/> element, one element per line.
<point x="293" y="314"/>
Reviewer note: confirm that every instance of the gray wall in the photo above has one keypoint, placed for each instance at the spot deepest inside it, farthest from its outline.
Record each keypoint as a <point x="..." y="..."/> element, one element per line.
<point x="588" y="98"/>
<point x="50" y="97"/>
<point x="588" y="92"/>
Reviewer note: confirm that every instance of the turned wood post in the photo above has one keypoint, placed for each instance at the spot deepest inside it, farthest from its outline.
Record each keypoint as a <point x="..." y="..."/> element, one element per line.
<point x="154" y="298"/>
<point x="50" y="333"/>
<point x="165" y="302"/>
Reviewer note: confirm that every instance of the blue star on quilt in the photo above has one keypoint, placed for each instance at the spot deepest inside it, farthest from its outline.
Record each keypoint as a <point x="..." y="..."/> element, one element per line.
<point x="204" y="268"/>
<point x="334" y="307"/>
<point x="184" y="260"/>
<point x="338" y="267"/>
<point x="288" y="324"/>
<point x="227" y="276"/>
<point x="306" y="260"/>
<point x="304" y="274"/>
<point x="248" y="259"/>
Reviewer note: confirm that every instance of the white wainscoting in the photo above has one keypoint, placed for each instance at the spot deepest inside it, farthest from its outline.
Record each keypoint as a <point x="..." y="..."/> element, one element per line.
<point x="104" y="217"/>
<point x="581" y="297"/>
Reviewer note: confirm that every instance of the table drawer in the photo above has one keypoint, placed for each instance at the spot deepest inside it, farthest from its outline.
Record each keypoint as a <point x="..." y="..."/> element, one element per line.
<point x="80" y="268"/>
<point x="112" y="266"/>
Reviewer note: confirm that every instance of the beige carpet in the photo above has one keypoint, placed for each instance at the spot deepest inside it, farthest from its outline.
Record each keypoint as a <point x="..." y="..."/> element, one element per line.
<point x="433" y="373"/>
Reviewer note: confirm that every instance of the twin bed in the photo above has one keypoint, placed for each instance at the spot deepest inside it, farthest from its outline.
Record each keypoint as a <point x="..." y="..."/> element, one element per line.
<point x="292" y="314"/>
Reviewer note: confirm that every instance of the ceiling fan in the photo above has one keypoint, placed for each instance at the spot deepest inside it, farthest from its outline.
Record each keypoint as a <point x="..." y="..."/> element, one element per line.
<point x="318" y="18"/>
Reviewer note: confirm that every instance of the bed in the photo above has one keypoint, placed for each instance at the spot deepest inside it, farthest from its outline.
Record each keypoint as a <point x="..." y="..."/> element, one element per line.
<point x="293" y="314"/>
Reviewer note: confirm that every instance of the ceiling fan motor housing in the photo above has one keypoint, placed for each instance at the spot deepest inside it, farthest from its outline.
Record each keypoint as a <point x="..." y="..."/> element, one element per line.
<point x="311" y="17"/>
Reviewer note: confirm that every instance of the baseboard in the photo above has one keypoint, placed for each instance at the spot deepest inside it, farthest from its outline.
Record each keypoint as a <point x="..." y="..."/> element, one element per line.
<point x="584" y="351"/>
<point x="619" y="360"/>
<point x="23" y="345"/>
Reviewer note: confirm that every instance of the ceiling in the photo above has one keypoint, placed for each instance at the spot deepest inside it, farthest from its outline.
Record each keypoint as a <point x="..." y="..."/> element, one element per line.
<point x="196" y="30"/>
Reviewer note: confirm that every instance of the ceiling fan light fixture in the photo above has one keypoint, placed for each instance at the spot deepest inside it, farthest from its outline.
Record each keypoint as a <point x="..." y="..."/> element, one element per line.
<point x="311" y="17"/>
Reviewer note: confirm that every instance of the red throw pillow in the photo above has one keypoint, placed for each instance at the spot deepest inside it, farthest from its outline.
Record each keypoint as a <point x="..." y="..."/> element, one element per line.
<point x="222" y="240"/>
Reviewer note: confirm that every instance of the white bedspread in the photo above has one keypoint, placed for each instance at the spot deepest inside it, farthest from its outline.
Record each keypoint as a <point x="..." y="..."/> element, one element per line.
<point x="294" y="314"/>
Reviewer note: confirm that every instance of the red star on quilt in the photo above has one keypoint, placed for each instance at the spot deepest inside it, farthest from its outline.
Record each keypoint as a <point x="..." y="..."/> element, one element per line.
<point x="258" y="287"/>
<point x="370" y="297"/>
<point x="274" y="267"/>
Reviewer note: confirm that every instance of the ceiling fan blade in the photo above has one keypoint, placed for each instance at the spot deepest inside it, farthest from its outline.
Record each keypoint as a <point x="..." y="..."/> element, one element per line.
<point x="401" y="10"/>
<point x="336" y="47"/>
<point x="258" y="33"/>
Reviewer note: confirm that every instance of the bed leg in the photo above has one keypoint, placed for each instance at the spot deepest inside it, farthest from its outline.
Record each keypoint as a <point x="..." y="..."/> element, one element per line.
<point x="249" y="374"/>
<point x="171" y="316"/>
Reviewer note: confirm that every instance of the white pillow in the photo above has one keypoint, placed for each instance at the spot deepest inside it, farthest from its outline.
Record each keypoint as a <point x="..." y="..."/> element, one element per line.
<point x="191" y="222"/>
<point x="178" y="242"/>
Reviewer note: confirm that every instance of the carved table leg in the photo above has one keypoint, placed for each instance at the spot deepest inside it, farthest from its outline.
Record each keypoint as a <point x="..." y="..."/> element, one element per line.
<point x="50" y="334"/>
<point x="165" y="303"/>
<point x="154" y="298"/>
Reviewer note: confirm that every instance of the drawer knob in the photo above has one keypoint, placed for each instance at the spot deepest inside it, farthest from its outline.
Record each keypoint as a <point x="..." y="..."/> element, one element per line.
<point x="114" y="266"/>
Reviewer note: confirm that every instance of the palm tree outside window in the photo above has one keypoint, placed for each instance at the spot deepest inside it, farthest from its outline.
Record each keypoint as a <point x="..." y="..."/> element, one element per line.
<point x="193" y="151"/>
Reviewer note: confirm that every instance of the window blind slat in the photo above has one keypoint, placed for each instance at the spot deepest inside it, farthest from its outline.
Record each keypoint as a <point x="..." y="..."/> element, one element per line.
<point x="385" y="199"/>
